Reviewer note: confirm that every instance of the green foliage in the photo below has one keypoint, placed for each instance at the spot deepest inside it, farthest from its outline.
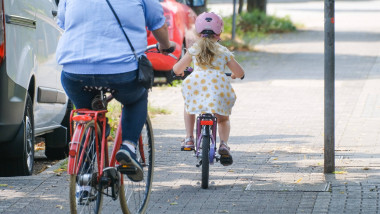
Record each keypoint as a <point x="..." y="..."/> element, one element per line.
<point x="62" y="167"/>
<point x="175" y="83"/>
<point x="235" y="45"/>
<point x="258" y="21"/>
<point x="256" y="24"/>
<point x="113" y="115"/>
<point x="155" y="110"/>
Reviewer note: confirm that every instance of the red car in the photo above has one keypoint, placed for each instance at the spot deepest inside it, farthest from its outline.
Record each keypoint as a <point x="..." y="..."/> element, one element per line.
<point x="180" y="19"/>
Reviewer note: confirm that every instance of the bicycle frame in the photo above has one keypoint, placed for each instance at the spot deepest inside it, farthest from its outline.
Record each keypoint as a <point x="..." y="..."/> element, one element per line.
<point x="206" y="126"/>
<point x="82" y="118"/>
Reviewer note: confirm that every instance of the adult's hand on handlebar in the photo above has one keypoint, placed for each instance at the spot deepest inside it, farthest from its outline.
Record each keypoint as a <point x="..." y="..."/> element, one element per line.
<point x="166" y="50"/>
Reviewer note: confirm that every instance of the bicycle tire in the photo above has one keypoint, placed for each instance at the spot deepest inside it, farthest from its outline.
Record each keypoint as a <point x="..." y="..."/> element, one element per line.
<point x="89" y="169"/>
<point x="134" y="196"/>
<point x="205" y="160"/>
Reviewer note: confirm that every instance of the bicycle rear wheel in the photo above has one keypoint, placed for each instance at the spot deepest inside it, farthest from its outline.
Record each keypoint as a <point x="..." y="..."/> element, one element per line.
<point x="85" y="191"/>
<point x="205" y="160"/>
<point x="134" y="196"/>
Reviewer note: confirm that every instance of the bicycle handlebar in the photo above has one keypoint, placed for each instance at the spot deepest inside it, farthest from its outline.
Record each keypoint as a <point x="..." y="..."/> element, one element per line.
<point x="188" y="71"/>
<point x="149" y="49"/>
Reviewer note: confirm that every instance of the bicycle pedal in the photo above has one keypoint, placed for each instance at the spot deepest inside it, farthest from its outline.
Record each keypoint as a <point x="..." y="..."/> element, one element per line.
<point x="199" y="164"/>
<point x="126" y="169"/>
<point x="187" y="149"/>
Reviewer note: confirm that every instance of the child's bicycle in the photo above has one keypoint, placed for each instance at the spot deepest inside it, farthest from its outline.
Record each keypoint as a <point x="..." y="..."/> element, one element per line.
<point x="205" y="146"/>
<point x="94" y="172"/>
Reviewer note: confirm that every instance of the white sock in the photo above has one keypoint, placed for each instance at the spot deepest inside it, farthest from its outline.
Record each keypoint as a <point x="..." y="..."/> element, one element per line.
<point x="131" y="147"/>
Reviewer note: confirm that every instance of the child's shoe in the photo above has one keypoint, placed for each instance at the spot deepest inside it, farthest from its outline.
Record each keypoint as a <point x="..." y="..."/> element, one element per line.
<point x="225" y="156"/>
<point x="187" y="144"/>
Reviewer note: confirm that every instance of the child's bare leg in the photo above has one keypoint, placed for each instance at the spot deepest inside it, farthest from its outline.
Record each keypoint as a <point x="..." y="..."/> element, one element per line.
<point x="188" y="143"/>
<point x="224" y="134"/>
<point x="223" y="127"/>
<point x="189" y="123"/>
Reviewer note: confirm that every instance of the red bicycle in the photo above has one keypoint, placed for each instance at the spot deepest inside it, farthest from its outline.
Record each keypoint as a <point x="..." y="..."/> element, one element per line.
<point x="94" y="172"/>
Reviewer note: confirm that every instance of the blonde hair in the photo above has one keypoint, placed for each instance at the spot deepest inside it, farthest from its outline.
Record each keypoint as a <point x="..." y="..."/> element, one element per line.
<point x="208" y="50"/>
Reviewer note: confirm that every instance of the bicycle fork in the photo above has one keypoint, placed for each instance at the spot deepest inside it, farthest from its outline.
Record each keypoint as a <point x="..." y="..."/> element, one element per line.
<point x="206" y="127"/>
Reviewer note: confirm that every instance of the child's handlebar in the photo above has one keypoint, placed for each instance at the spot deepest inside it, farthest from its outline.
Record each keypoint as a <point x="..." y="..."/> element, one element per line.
<point x="188" y="71"/>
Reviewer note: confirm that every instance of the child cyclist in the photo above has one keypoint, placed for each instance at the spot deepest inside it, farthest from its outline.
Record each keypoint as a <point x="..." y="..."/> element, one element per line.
<point x="207" y="89"/>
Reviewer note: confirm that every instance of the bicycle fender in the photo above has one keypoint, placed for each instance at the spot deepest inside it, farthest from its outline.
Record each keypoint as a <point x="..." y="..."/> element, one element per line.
<point x="74" y="149"/>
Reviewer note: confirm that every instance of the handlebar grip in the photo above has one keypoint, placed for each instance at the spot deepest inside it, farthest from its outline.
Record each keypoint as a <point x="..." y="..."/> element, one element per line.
<point x="229" y="74"/>
<point x="169" y="50"/>
<point x="187" y="72"/>
<point x="175" y="76"/>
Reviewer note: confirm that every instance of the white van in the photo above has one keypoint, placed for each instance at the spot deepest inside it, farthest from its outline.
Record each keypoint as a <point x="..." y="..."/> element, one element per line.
<point x="32" y="100"/>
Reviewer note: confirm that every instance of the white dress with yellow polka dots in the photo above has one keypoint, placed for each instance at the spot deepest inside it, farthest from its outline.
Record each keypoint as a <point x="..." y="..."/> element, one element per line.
<point x="208" y="90"/>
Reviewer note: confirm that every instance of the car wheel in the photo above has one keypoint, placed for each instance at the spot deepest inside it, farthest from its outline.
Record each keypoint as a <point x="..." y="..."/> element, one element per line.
<point x="22" y="165"/>
<point x="53" y="152"/>
<point x="28" y="154"/>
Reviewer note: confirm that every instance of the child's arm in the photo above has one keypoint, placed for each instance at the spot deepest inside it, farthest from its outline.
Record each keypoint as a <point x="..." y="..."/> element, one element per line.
<point x="236" y="69"/>
<point x="181" y="65"/>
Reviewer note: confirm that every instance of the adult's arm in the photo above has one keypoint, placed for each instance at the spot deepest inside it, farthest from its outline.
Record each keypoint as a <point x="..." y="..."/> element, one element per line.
<point x="162" y="36"/>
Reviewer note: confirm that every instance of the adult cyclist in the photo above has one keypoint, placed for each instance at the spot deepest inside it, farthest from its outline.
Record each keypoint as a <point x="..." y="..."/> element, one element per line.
<point x="95" y="53"/>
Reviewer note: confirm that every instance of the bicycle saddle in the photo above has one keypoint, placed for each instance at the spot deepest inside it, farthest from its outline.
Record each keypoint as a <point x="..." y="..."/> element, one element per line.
<point x="99" y="102"/>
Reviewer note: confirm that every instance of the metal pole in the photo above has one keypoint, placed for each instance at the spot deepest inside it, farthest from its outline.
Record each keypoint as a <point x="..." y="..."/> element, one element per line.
<point x="329" y="141"/>
<point x="233" y="21"/>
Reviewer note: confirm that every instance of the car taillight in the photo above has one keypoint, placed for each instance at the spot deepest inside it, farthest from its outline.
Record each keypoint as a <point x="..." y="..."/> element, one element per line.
<point x="2" y="32"/>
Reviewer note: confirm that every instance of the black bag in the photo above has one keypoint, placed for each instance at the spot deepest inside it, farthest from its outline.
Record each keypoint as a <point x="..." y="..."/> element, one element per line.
<point x="145" y="74"/>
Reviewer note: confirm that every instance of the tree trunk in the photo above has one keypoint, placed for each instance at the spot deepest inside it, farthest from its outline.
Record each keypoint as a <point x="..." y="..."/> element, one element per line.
<point x="240" y="9"/>
<point x="199" y="10"/>
<point x="257" y="4"/>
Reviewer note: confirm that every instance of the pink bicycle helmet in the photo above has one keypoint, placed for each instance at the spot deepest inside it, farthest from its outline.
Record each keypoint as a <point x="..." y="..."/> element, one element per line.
<point x="209" y="22"/>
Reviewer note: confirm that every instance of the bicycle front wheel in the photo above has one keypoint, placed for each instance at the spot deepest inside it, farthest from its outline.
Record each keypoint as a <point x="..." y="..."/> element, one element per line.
<point x="85" y="191"/>
<point x="134" y="196"/>
<point x="205" y="160"/>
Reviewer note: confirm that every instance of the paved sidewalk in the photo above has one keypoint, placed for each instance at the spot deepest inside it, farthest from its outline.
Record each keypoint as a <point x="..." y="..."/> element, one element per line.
<point x="277" y="125"/>
<point x="277" y="131"/>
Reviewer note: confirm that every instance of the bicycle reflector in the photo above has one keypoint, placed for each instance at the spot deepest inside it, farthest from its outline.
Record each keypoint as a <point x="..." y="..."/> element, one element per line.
<point x="82" y="118"/>
<point x="72" y="153"/>
<point x="207" y="122"/>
